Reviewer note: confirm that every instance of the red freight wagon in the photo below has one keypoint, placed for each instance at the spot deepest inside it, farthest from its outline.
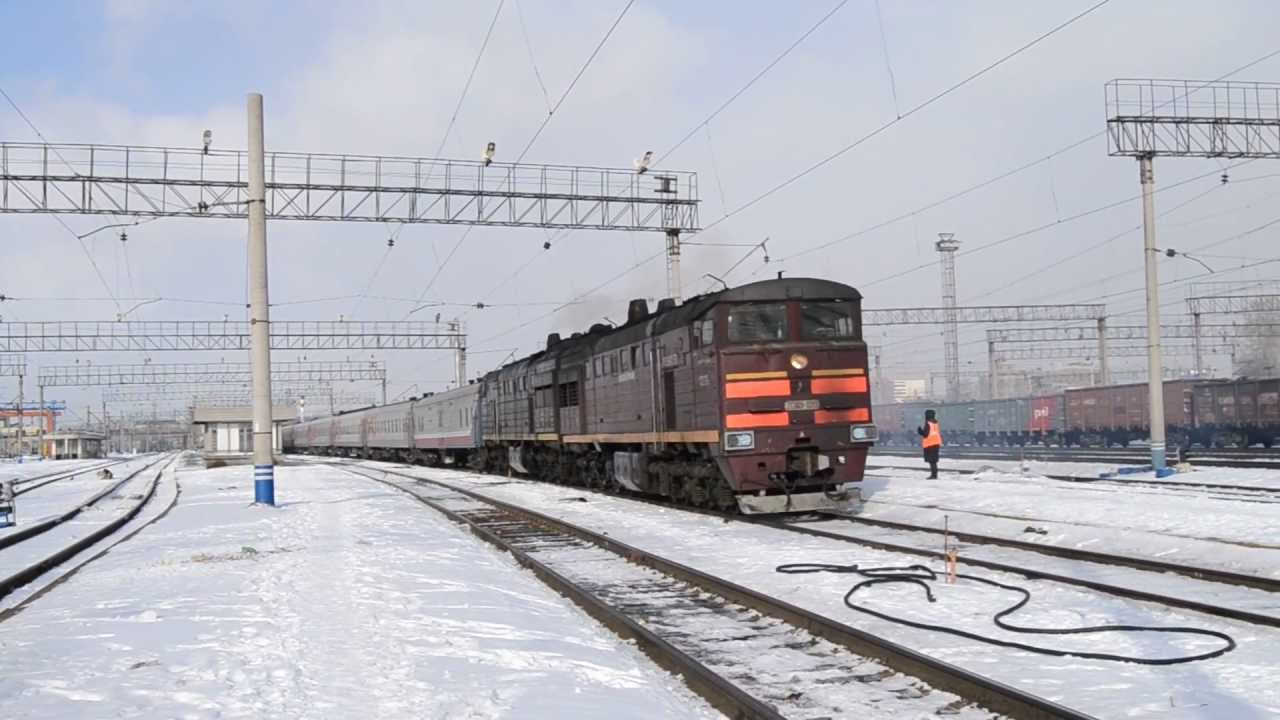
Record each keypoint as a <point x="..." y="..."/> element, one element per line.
<point x="1118" y="414"/>
<point x="1048" y="417"/>
<point x="1243" y="412"/>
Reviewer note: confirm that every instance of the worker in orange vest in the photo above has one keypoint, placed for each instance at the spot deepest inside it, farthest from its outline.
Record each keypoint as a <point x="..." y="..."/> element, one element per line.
<point x="931" y="442"/>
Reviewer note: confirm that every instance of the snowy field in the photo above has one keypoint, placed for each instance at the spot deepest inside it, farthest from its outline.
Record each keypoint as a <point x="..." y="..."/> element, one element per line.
<point x="1192" y="526"/>
<point x="349" y="600"/>
<point x="1239" y="684"/>
<point x="1268" y="479"/>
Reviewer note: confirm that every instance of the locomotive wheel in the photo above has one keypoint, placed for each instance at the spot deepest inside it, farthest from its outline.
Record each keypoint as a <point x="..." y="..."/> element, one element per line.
<point x="722" y="498"/>
<point x="699" y="494"/>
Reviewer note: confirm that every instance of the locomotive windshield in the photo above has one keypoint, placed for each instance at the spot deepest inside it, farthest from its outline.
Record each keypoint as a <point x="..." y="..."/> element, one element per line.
<point x="828" y="320"/>
<point x="758" y="322"/>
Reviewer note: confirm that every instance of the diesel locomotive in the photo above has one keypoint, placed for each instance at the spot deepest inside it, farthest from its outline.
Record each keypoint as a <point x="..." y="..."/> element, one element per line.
<point x="754" y="398"/>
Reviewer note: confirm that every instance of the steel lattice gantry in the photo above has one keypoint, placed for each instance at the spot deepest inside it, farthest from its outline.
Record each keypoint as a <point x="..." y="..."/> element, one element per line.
<point x="189" y="182"/>
<point x="983" y="314"/>
<point x="1147" y="117"/>
<point x="227" y="335"/>
<point x="1075" y="352"/>
<point x="1129" y="332"/>
<point x="1231" y="304"/>
<point x="206" y="373"/>
<point x="13" y="365"/>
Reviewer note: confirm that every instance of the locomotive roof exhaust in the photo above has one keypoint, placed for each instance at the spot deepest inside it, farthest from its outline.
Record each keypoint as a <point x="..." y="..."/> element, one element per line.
<point x="637" y="310"/>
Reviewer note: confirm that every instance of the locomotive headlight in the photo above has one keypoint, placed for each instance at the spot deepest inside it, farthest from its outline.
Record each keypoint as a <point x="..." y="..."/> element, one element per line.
<point x="741" y="440"/>
<point x="862" y="433"/>
<point x="799" y="361"/>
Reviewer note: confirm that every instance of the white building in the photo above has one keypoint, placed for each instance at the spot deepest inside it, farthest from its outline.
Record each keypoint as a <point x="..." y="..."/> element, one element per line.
<point x="227" y="432"/>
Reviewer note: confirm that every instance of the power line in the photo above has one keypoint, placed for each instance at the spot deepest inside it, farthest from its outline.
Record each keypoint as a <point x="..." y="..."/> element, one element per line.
<point x="1002" y="176"/>
<point x="974" y="76"/>
<point x="704" y="123"/>
<point x="101" y="278"/>
<point x="574" y="82"/>
<point x="888" y="66"/>
<point x="763" y="71"/>
<point x="542" y="126"/>
<point x="546" y="96"/>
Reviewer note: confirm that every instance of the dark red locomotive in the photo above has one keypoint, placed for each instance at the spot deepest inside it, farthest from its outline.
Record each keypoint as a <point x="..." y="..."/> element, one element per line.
<point x="753" y="398"/>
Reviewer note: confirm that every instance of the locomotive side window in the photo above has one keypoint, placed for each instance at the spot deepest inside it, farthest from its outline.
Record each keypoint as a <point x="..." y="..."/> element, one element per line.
<point x="826" y="320"/>
<point x="704" y="333"/>
<point x="759" y="322"/>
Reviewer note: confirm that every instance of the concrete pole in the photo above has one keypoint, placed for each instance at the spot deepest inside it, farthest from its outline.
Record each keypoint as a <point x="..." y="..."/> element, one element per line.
<point x="1155" y="372"/>
<point x="264" y="486"/>
<point x="1195" y="320"/>
<point x="992" y="373"/>
<point x="44" y="420"/>
<point x="21" y="382"/>
<point x="384" y="391"/>
<point x="1104" y="372"/>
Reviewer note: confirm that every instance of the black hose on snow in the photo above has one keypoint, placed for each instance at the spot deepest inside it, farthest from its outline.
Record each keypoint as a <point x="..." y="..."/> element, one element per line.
<point x="921" y="575"/>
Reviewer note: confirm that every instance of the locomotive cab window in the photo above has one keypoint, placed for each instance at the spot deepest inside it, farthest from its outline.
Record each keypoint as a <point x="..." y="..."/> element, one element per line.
<point x="758" y="322"/>
<point x="828" y="320"/>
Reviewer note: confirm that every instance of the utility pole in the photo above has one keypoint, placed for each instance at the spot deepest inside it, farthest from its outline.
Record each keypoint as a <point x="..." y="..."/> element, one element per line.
<point x="21" y="378"/>
<point x="460" y="369"/>
<point x="1155" y="372"/>
<point x="946" y="247"/>
<point x="264" y="490"/>
<point x="673" y="264"/>
<point x="1104" y="368"/>
<point x="1181" y="118"/>
<point x="45" y="418"/>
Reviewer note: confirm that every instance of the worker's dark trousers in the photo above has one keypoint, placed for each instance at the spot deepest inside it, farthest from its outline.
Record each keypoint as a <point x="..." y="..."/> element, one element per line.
<point x="931" y="457"/>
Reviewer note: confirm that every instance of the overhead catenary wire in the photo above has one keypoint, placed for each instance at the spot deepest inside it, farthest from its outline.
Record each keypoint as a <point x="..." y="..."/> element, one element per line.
<point x="888" y="64"/>
<point x="704" y="123"/>
<point x="935" y="98"/>
<point x="537" y="133"/>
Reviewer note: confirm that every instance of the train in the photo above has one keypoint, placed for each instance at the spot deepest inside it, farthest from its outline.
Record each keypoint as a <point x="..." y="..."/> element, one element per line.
<point x="1204" y="412"/>
<point x="754" y="399"/>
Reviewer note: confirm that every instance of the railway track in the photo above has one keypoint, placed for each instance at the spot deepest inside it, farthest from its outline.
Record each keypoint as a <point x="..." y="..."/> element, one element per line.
<point x="1243" y="493"/>
<point x="44" y="564"/>
<point x="1208" y="581"/>
<point x="25" y="485"/>
<point x="713" y="632"/>
<point x="1254" y="458"/>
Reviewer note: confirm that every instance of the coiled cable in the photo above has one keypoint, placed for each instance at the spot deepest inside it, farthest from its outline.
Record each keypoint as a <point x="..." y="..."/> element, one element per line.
<point x="922" y="575"/>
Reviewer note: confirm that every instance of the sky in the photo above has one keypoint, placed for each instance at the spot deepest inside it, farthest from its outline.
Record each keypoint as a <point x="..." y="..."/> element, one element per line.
<point x="385" y="77"/>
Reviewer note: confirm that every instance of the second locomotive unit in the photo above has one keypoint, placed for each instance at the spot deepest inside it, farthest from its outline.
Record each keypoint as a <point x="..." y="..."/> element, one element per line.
<point x="754" y="398"/>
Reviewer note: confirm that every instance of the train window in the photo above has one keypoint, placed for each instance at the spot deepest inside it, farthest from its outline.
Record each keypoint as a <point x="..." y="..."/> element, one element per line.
<point x="613" y="364"/>
<point x="644" y="354"/>
<point x="824" y="320"/>
<point x="623" y="358"/>
<point x="758" y="322"/>
<point x="635" y="350"/>
<point x="704" y="333"/>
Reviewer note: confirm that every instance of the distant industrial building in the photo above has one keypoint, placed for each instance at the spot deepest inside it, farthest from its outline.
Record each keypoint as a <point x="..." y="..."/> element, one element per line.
<point x="905" y="390"/>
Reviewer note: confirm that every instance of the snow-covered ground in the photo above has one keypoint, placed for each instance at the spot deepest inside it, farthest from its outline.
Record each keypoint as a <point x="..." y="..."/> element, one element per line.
<point x="10" y="470"/>
<point x="349" y="600"/>
<point x="1237" y="685"/>
<point x="58" y="497"/>
<point x="1268" y="479"/>
<point x="1191" y="526"/>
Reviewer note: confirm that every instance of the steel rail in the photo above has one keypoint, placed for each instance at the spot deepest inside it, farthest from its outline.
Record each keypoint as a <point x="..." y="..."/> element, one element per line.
<point x="42" y="480"/>
<point x="26" y="532"/>
<point x="10" y="612"/>
<point x="972" y="686"/>
<point x="40" y="567"/>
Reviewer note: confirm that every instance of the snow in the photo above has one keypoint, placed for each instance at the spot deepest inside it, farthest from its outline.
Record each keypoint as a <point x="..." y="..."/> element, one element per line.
<point x="41" y="503"/>
<point x="10" y="470"/>
<point x="1190" y="526"/>
<point x="1251" y="477"/>
<point x="348" y="600"/>
<point x="1239" y="684"/>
